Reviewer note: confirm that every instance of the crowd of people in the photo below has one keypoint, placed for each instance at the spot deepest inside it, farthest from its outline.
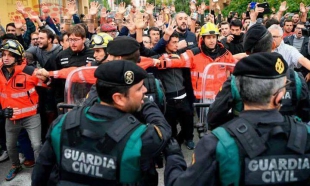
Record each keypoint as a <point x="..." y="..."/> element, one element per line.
<point x="144" y="72"/>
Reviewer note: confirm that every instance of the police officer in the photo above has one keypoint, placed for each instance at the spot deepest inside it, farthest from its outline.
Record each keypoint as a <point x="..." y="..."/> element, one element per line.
<point x="104" y="144"/>
<point x="260" y="147"/>
<point x="295" y="101"/>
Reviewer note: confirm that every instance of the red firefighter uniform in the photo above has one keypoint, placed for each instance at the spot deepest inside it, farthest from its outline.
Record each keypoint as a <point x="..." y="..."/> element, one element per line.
<point x="19" y="91"/>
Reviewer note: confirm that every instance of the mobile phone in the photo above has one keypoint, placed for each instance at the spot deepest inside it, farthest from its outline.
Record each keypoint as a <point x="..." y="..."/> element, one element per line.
<point x="194" y="15"/>
<point x="266" y="7"/>
<point x="252" y="5"/>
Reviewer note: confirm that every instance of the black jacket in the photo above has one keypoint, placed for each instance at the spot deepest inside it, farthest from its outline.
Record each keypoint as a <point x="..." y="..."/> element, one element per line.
<point x="218" y="111"/>
<point x="235" y="46"/>
<point x="68" y="58"/>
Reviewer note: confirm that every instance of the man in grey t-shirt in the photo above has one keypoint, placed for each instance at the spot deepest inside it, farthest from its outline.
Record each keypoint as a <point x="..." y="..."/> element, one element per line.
<point x="292" y="56"/>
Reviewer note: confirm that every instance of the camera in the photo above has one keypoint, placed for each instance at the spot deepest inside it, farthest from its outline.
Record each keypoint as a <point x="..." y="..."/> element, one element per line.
<point x="306" y="31"/>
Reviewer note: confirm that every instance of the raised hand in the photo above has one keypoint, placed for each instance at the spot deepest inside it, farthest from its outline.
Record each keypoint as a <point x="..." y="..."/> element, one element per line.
<point x="94" y="7"/>
<point x="167" y="10"/>
<point x="149" y="8"/>
<point x="302" y="8"/>
<point x="159" y="22"/>
<point x="103" y="12"/>
<point x="45" y="9"/>
<point x="18" y="23"/>
<point x="20" y="7"/>
<point x="139" y="23"/>
<point x="169" y="30"/>
<point x="283" y="7"/>
<point x="203" y="6"/>
<point x="172" y="9"/>
<point x="192" y="6"/>
<point x="71" y="7"/>
<point x="122" y="8"/>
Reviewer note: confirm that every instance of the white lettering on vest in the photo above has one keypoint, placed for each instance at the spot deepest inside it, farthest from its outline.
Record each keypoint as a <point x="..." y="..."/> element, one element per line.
<point x="287" y="95"/>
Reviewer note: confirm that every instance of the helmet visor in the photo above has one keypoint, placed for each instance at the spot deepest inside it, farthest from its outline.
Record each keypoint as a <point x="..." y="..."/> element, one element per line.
<point x="96" y="40"/>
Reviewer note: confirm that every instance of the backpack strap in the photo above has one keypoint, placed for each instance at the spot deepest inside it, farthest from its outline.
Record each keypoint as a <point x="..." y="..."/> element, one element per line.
<point x="227" y="154"/>
<point x="298" y="85"/>
<point x="236" y="97"/>
<point x="118" y="130"/>
<point x="247" y="137"/>
<point x="298" y="136"/>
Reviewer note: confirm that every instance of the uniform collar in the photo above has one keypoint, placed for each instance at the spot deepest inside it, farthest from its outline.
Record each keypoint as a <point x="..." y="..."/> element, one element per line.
<point x="262" y="116"/>
<point x="106" y="111"/>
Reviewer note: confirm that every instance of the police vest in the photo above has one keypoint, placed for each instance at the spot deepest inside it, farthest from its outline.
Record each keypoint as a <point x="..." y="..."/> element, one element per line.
<point x="109" y="157"/>
<point x="280" y="156"/>
<point x="289" y="101"/>
<point x="155" y="92"/>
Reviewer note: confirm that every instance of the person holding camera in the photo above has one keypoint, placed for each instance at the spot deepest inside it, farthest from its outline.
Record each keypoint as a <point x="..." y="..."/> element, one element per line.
<point x="234" y="41"/>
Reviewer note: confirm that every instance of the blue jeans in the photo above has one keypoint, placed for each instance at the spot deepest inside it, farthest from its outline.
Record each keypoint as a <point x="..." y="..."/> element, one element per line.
<point x="25" y="145"/>
<point x="12" y="128"/>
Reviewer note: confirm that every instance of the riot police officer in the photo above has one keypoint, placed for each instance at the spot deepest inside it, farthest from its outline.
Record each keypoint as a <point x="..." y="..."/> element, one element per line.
<point x="260" y="147"/>
<point x="295" y="101"/>
<point x="105" y="144"/>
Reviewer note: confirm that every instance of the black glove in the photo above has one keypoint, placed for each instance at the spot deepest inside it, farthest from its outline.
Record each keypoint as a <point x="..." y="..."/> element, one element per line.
<point x="172" y="148"/>
<point x="6" y="113"/>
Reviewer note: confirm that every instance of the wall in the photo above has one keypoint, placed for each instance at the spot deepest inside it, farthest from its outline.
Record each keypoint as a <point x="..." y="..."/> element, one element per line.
<point x="8" y="8"/>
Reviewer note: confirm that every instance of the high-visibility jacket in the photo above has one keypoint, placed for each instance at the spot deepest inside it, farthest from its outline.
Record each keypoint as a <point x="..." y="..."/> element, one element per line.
<point x="19" y="91"/>
<point x="87" y="76"/>
<point x="197" y="63"/>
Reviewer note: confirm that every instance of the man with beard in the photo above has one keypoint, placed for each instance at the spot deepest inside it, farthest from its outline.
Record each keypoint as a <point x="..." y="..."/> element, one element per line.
<point x="45" y="52"/>
<point x="119" y="145"/>
<point x="187" y="39"/>
<point x="234" y="41"/>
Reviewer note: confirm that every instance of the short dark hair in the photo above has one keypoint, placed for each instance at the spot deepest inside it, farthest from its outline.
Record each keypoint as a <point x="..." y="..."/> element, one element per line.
<point x="271" y="21"/>
<point x="78" y="31"/>
<point x="61" y="38"/>
<point x="300" y="23"/>
<point x="9" y="24"/>
<point x="105" y="92"/>
<point x="174" y="34"/>
<point x="236" y="22"/>
<point x="224" y="23"/>
<point x="146" y="35"/>
<point x="49" y="33"/>
<point x="288" y="20"/>
<point x="8" y="36"/>
<point x="134" y="57"/>
<point x="153" y="29"/>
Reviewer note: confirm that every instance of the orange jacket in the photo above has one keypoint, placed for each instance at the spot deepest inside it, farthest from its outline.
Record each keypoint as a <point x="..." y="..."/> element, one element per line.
<point x="19" y="91"/>
<point x="216" y="76"/>
<point x="87" y="76"/>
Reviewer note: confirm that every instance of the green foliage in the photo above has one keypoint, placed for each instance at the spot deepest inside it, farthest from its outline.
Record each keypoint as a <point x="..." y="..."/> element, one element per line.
<point x="241" y="5"/>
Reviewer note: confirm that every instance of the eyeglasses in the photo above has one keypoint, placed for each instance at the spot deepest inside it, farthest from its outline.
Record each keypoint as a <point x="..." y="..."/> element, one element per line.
<point x="288" y="82"/>
<point x="275" y="37"/>
<point x="74" y="40"/>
